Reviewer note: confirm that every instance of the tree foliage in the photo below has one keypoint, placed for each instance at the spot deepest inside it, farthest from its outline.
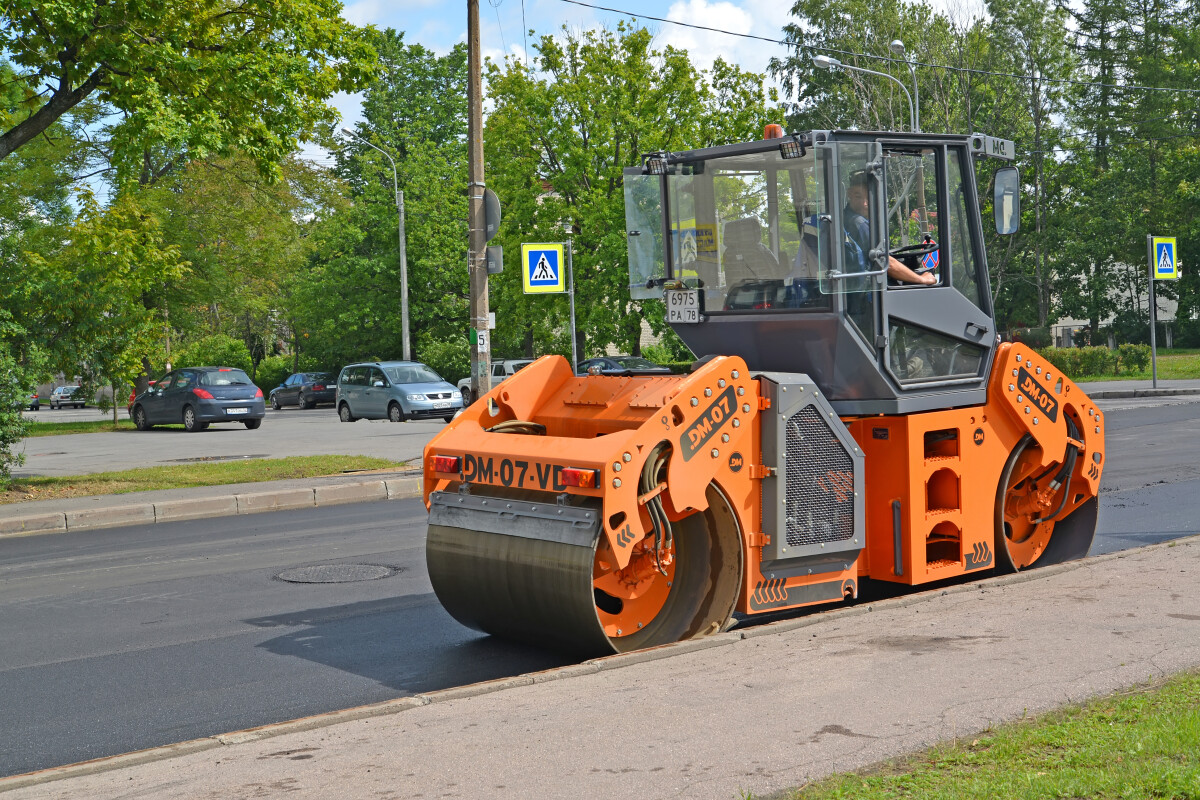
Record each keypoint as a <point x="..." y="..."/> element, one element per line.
<point x="186" y="78"/>
<point x="559" y="135"/>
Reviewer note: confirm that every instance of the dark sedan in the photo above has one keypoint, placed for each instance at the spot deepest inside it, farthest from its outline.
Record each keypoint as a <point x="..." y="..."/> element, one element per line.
<point x="305" y="389"/>
<point x="623" y="365"/>
<point x="198" y="396"/>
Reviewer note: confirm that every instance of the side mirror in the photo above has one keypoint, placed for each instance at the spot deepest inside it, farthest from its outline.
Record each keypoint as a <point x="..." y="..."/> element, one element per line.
<point x="378" y="384"/>
<point x="1006" y="200"/>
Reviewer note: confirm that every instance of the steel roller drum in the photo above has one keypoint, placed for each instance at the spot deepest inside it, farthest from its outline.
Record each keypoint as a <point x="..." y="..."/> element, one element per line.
<point x="526" y="570"/>
<point x="517" y="569"/>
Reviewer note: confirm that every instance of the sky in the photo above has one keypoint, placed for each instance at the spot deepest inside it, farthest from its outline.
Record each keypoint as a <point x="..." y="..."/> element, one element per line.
<point x="503" y="26"/>
<point x="440" y="25"/>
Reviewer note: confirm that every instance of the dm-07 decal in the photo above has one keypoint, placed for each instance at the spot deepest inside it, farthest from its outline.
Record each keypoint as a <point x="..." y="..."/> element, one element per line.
<point x="704" y="428"/>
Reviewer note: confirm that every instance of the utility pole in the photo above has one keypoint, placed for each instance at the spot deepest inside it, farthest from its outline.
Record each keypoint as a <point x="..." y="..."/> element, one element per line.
<point x="481" y="381"/>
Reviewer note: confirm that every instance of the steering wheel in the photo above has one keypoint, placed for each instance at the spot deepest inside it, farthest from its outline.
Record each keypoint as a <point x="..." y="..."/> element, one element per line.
<point x="916" y="251"/>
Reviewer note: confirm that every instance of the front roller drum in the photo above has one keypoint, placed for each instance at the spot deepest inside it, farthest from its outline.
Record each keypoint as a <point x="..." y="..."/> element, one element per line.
<point x="1024" y="538"/>
<point x="542" y="573"/>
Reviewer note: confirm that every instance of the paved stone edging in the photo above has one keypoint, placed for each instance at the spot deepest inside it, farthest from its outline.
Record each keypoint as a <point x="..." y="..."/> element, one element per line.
<point x="203" y="507"/>
<point x="589" y="667"/>
<point x="1125" y="394"/>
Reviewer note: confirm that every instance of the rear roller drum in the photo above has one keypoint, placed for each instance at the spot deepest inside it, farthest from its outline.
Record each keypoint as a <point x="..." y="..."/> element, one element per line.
<point x="543" y="584"/>
<point x="1023" y="539"/>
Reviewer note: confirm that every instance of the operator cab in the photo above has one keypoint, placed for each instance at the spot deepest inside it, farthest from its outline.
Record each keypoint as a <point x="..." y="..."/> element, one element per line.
<point x="759" y="251"/>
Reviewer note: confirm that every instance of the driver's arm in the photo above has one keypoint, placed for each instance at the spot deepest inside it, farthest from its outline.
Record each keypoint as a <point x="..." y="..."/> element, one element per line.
<point x="897" y="271"/>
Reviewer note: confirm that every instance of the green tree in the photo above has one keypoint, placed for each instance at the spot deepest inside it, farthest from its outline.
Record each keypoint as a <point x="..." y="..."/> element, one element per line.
<point x="246" y="239"/>
<point x="89" y="292"/>
<point x="186" y="78"/>
<point x="556" y="142"/>
<point x="348" y="300"/>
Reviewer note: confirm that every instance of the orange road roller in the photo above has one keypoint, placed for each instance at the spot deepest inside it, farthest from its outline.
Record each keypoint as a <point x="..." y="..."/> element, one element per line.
<point x="852" y="415"/>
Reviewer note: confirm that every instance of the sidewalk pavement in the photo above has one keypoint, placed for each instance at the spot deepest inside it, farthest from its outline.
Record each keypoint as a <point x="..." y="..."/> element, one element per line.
<point x="86" y="513"/>
<point x="758" y="710"/>
<point x="172" y="505"/>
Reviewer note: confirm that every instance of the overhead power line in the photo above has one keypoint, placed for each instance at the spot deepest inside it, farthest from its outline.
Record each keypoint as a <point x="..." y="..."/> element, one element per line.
<point x="785" y="43"/>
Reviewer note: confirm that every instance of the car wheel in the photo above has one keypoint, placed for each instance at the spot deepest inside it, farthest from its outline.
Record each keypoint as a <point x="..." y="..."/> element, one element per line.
<point x="190" y="423"/>
<point x="466" y="393"/>
<point x="252" y="424"/>
<point x="275" y="403"/>
<point x="396" y="413"/>
<point x="139" y="419"/>
<point x="344" y="413"/>
<point x="308" y="402"/>
<point x="448" y="419"/>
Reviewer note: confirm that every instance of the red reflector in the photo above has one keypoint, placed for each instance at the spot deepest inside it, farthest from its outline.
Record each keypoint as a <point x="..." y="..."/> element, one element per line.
<point x="258" y="392"/>
<point x="446" y="464"/>
<point x="583" y="478"/>
<point x="205" y="393"/>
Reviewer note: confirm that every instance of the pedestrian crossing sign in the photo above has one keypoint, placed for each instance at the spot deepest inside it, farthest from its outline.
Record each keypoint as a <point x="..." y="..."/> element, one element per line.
<point x="545" y="269"/>
<point x="1166" y="260"/>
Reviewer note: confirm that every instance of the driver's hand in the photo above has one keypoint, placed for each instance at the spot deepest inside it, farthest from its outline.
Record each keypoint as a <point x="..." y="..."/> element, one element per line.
<point x="928" y="278"/>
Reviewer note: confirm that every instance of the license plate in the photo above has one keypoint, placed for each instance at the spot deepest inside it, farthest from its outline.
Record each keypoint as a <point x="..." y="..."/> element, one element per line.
<point x="683" y="305"/>
<point x="237" y="411"/>
<point x="441" y="405"/>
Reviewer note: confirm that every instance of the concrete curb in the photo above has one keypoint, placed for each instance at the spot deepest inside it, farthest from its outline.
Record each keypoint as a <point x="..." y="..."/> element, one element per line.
<point x="1126" y="394"/>
<point x="582" y="669"/>
<point x="205" y="507"/>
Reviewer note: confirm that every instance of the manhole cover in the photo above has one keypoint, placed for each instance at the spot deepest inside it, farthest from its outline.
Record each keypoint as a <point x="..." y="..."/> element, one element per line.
<point x="336" y="573"/>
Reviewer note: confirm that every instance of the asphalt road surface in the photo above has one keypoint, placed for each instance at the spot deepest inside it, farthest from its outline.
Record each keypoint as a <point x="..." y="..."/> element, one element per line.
<point x="128" y="638"/>
<point x="290" y="432"/>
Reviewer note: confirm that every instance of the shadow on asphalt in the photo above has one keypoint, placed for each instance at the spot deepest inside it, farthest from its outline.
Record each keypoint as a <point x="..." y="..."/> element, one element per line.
<point x="409" y="644"/>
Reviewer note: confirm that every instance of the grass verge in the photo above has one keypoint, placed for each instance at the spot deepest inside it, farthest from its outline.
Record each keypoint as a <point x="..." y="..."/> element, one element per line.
<point x="1172" y="365"/>
<point x="181" y="476"/>
<point x="1144" y="743"/>
<point x="80" y="426"/>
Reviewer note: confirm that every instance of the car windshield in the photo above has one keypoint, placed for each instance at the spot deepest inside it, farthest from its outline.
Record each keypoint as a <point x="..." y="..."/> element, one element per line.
<point x="520" y="365"/>
<point x="413" y="373"/>
<point x="317" y="377"/>
<point x="633" y="362"/>
<point x="225" y="377"/>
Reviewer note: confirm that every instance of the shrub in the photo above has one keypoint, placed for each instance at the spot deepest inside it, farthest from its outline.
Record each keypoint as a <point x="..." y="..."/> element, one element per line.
<point x="1060" y="358"/>
<point x="450" y="358"/>
<point x="1082" y="362"/>
<point x="272" y="371"/>
<point x="1133" y="357"/>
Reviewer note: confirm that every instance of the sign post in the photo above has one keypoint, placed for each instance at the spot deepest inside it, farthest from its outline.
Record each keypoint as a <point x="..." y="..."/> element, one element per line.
<point x="1164" y="266"/>
<point x="547" y="268"/>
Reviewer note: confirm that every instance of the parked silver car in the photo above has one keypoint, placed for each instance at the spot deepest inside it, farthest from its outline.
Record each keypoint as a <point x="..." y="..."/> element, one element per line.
<point x="395" y="390"/>
<point x="67" y="396"/>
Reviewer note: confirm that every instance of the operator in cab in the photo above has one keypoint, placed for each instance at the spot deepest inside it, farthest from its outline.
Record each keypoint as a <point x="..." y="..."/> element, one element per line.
<point x="856" y="218"/>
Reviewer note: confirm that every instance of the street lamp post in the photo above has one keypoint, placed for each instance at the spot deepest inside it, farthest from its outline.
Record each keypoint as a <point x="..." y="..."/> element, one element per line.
<point x="403" y="251"/>
<point x="897" y="47"/>
<point x="828" y="62"/>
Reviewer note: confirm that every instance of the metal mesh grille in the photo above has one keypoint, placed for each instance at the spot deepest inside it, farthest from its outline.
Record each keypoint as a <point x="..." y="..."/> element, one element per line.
<point x="820" y="482"/>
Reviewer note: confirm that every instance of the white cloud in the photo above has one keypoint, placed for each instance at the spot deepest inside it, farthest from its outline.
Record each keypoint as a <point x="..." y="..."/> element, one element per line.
<point x="764" y="18"/>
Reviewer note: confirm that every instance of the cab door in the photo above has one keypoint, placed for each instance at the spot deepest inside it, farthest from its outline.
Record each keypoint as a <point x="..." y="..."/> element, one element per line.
<point x="943" y="334"/>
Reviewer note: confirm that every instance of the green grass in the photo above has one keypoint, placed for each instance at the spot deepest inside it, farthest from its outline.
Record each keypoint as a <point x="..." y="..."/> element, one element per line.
<point x="83" y="426"/>
<point x="215" y="473"/>
<point x="1138" y="744"/>
<point x="1174" y="364"/>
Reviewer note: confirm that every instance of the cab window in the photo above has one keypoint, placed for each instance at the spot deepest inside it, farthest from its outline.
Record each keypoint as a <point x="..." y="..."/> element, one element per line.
<point x="913" y="212"/>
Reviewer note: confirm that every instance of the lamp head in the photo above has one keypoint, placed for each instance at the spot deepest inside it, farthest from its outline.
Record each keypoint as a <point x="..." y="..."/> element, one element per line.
<point x="349" y="132"/>
<point x="826" y="62"/>
<point x="897" y="47"/>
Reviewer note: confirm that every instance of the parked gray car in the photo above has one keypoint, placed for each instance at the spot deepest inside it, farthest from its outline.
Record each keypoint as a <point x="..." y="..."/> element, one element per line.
<point x="198" y="396"/>
<point x="395" y="390"/>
